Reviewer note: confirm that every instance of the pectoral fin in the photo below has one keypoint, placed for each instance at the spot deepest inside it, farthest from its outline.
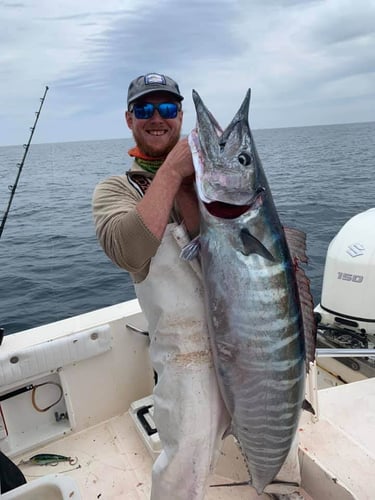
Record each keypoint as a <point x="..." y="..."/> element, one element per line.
<point x="253" y="245"/>
<point x="191" y="251"/>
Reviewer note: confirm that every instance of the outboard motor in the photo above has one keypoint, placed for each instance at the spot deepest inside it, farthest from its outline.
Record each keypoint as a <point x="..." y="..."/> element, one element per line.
<point x="348" y="292"/>
<point x="346" y="314"/>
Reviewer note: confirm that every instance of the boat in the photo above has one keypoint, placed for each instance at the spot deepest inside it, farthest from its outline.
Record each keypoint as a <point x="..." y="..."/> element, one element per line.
<point x="76" y="402"/>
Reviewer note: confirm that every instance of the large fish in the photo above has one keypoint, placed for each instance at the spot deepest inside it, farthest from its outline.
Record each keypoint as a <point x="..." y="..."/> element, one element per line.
<point x="259" y="307"/>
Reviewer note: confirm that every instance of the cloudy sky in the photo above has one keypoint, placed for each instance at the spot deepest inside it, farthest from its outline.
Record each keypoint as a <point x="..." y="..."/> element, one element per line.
<point x="307" y="61"/>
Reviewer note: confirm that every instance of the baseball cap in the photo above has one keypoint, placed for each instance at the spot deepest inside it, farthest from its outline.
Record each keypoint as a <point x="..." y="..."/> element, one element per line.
<point x="152" y="82"/>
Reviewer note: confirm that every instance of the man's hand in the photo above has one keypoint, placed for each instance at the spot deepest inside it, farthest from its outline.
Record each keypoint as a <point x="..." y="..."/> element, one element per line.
<point x="179" y="162"/>
<point x="172" y="182"/>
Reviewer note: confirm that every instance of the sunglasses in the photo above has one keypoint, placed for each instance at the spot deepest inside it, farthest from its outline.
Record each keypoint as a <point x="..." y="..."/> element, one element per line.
<point x="167" y="110"/>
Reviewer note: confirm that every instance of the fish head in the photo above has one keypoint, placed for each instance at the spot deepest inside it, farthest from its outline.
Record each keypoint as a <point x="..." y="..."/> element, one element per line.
<point x="227" y="165"/>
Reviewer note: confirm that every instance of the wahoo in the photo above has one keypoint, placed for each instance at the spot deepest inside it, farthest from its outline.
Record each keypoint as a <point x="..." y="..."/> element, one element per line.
<point x="258" y="302"/>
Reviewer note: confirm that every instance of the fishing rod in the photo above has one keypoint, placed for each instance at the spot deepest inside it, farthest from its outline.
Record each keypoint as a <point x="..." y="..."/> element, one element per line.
<point x="13" y="187"/>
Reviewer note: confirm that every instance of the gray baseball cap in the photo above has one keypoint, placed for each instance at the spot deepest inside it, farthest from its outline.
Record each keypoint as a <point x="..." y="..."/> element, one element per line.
<point x="152" y="82"/>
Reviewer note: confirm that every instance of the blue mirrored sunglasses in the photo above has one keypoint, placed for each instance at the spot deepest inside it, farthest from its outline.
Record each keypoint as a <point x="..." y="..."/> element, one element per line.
<point x="167" y="110"/>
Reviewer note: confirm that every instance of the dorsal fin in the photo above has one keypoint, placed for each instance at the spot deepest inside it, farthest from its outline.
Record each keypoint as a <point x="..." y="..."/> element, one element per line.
<point x="296" y="240"/>
<point x="297" y="247"/>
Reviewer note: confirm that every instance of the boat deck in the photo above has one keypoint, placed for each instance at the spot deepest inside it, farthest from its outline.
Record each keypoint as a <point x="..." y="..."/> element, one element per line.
<point x="114" y="463"/>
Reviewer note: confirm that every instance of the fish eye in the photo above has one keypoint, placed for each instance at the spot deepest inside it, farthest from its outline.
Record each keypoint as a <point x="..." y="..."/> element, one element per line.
<point x="244" y="158"/>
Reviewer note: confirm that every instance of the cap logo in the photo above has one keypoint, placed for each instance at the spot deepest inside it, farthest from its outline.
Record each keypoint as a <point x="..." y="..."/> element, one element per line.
<point x="153" y="78"/>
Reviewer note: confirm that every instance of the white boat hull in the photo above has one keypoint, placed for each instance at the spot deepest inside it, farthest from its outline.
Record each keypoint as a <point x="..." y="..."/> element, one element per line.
<point x="103" y="368"/>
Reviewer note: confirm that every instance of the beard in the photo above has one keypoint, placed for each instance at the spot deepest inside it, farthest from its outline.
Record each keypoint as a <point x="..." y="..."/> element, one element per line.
<point x="155" y="147"/>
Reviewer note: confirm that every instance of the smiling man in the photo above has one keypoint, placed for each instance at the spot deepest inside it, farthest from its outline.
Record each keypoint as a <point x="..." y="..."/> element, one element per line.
<point x="143" y="218"/>
<point x="154" y="136"/>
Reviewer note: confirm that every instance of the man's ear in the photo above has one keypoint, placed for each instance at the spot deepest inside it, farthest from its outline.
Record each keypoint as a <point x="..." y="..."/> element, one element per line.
<point x="129" y="119"/>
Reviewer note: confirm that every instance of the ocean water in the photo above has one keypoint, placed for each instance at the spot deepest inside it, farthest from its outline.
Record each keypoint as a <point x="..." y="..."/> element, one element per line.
<point x="51" y="266"/>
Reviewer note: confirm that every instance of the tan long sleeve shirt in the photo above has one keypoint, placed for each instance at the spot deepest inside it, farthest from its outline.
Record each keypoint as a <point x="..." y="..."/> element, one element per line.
<point x="119" y="228"/>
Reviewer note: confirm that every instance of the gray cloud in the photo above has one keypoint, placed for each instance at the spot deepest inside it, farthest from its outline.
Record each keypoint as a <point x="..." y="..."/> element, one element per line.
<point x="14" y="5"/>
<point x="355" y="20"/>
<point x="306" y="61"/>
<point x="162" y="39"/>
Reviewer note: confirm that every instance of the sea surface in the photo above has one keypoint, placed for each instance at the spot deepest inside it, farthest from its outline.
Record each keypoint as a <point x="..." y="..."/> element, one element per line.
<point x="51" y="266"/>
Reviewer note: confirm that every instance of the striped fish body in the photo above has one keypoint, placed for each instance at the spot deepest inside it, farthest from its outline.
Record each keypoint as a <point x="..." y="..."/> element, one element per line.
<point x="252" y="298"/>
<point x="256" y="336"/>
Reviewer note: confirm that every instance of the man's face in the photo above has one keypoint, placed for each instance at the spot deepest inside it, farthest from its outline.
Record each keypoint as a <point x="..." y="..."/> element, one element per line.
<point x="155" y="136"/>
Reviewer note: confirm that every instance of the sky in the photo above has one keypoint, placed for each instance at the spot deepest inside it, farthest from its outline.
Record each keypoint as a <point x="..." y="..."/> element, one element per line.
<point x="307" y="62"/>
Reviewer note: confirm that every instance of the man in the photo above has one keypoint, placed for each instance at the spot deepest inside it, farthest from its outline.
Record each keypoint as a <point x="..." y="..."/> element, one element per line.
<point x="143" y="218"/>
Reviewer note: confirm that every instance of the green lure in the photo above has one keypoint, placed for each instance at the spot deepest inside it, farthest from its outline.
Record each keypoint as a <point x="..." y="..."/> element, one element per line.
<point x="49" y="459"/>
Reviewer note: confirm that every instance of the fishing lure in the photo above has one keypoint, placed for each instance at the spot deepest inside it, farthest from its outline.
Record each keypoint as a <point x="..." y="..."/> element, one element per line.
<point x="48" y="459"/>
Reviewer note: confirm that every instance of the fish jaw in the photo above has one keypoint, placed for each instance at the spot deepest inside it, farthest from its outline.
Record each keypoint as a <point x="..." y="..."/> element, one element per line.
<point x="226" y="163"/>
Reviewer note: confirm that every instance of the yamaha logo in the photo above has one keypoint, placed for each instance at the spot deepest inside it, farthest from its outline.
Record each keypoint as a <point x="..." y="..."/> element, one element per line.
<point x="355" y="250"/>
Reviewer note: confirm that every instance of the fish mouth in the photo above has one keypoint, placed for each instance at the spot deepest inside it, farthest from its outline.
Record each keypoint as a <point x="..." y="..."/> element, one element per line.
<point x="223" y="210"/>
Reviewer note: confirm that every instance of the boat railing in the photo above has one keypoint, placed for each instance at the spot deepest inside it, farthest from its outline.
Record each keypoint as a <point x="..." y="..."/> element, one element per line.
<point x="333" y="352"/>
<point x="312" y="379"/>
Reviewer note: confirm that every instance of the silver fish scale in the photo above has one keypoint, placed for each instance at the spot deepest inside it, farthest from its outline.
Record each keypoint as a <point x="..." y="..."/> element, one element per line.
<point x="257" y="344"/>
